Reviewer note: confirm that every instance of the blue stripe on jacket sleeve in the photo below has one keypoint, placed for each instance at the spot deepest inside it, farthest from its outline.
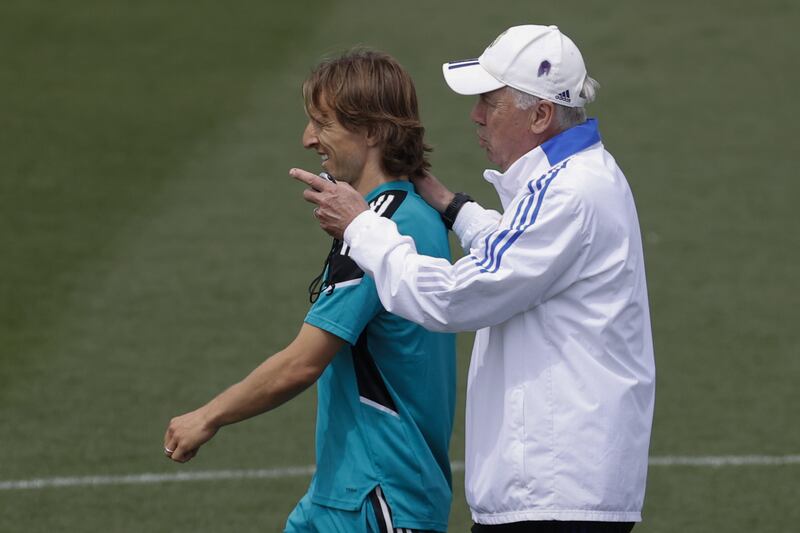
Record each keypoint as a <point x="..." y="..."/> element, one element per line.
<point x="493" y="266"/>
<point x="490" y="252"/>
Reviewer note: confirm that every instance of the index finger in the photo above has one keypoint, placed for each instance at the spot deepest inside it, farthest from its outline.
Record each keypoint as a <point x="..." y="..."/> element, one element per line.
<point x="312" y="180"/>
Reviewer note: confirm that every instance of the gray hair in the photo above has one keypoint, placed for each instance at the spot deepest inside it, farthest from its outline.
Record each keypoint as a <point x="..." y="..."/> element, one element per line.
<point x="566" y="117"/>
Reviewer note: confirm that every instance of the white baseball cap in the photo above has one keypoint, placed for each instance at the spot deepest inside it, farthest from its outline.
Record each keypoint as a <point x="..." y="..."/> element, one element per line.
<point x="538" y="60"/>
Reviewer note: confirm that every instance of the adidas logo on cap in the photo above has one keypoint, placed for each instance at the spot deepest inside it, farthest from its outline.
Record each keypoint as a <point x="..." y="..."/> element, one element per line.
<point x="564" y="97"/>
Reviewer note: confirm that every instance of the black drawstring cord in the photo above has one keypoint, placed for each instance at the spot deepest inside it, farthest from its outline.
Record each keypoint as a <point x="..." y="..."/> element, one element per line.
<point x="318" y="284"/>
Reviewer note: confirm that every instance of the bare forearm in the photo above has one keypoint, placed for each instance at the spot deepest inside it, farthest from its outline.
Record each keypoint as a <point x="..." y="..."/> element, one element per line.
<point x="274" y="382"/>
<point x="277" y="380"/>
<point x="433" y="191"/>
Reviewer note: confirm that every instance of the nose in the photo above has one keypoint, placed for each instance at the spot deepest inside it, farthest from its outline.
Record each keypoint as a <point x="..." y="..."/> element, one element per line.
<point x="478" y="113"/>
<point x="309" y="136"/>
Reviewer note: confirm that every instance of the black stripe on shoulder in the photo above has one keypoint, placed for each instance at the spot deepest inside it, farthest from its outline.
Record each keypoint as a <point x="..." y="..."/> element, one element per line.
<point x="370" y="381"/>
<point x="340" y="267"/>
<point x="387" y="202"/>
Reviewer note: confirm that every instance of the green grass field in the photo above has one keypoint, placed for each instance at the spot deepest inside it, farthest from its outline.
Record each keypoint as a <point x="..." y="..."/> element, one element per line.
<point x="153" y="249"/>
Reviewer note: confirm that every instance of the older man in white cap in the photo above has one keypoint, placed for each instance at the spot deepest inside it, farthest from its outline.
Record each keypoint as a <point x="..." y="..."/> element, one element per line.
<point x="561" y="383"/>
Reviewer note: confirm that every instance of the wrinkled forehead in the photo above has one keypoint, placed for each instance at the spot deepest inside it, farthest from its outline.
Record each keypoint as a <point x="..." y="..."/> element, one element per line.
<point x="498" y="95"/>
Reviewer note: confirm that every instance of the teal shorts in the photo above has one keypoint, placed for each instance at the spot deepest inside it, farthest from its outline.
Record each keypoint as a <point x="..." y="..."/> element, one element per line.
<point x="309" y="517"/>
<point x="374" y="516"/>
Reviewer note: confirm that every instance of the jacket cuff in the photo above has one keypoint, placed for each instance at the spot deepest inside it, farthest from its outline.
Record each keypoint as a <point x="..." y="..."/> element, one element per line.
<point x="358" y="224"/>
<point x="468" y="224"/>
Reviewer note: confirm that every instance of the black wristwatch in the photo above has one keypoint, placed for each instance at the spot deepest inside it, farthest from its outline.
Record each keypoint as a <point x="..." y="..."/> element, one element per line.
<point x="452" y="209"/>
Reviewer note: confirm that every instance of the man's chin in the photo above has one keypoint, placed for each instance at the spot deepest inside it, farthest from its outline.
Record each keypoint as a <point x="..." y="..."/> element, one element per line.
<point x="330" y="169"/>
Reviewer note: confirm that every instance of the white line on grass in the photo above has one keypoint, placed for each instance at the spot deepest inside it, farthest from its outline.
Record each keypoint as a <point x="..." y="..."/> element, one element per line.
<point x="137" y="479"/>
<point x="726" y="460"/>
<point x="296" y="471"/>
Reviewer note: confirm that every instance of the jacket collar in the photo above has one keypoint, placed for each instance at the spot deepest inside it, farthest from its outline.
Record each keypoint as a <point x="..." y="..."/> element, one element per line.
<point x="540" y="159"/>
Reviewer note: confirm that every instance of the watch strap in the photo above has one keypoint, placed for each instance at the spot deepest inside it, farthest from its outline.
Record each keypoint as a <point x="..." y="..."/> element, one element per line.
<point x="453" y="208"/>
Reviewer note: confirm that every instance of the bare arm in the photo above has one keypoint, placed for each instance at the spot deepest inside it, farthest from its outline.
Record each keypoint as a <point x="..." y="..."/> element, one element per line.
<point x="275" y="381"/>
<point x="433" y="191"/>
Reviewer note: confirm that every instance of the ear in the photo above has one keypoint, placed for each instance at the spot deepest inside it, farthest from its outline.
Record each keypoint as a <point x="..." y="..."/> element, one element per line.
<point x="372" y="137"/>
<point x="543" y="117"/>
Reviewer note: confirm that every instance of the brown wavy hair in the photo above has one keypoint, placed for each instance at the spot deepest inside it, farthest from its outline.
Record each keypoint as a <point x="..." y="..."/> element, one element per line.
<point x="370" y="90"/>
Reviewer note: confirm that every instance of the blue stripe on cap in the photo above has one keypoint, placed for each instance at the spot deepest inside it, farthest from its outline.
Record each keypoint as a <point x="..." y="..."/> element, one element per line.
<point x="451" y="66"/>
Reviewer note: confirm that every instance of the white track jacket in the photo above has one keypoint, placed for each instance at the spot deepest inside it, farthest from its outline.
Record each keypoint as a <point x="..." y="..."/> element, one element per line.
<point x="561" y="382"/>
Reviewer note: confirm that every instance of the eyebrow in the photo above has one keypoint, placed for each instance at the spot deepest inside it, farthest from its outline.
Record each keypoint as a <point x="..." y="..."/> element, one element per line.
<point x="316" y="115"/>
